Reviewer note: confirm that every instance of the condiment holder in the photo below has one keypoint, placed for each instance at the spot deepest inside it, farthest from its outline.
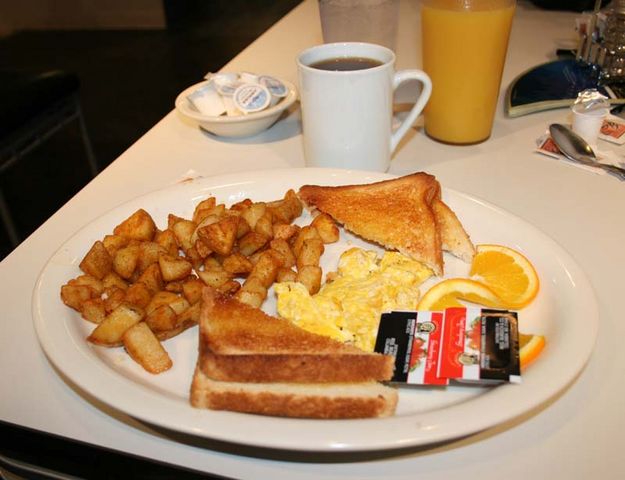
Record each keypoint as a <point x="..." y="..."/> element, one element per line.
<point x="236" y="105"/>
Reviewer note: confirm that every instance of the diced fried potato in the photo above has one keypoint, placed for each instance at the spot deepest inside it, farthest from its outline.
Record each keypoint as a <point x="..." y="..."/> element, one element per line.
<point x="286" y="275"/>
<point x="97" y="262"/>
<point x="192" y="290"/>
<point x="327" y="229"/>
<point x="139" y="226"/>
<point x="172" y="220"/>
<point x="287" y="209"/>
<point x="242" y="205"/>
<point x="291" y="198"/>
<point x="96" y="285"/>
<point x="174" y="268"/>
<point x="252" y="292"/>
<point x="284" y="250"/>
<point x="183" y="231"/>
<point x="114" y="298"/>
<point x="305" y="233"/>
<point x="243" y="228"/>
<point x="206" y="205"/>
<point x="161" y="318"/>
<point x="253" y="299"/>
<point x="237" y="264"/>
<point x="113" y="327"/>
<point x="175" y="287"/>
<point x="194" y="257"/>
<point x="74" y="295"/>
<point x="253" y="213"/>
<point x="144" y="348"/>
<point x="152" y="278"/>
<point x="191" y="315"/>
<point x="112" y="243"/>
<point x="138" y="294"/>
<point x="264" y="225"/>
<point x="252" y="242"/>
<point x="229" y="288"/>
<point x="310" y="277"/>
<point x="167" y="240"/>
<point x="112" y="279"/>
<point x="211" y="263"/>
<point x="220" y="236"/>
<point x="177" y="302"/>
<point x="214" y="277"/>
<point x="93" y="310"/>
<point x="202" y="249"/>
<point x="148" y="255"/>
<point x="266" y="268"/>
<point x="283" y="231"/>
<point x="125" y="261"/>
<point x="310" y="253"/>
<point x="208" y="220"/>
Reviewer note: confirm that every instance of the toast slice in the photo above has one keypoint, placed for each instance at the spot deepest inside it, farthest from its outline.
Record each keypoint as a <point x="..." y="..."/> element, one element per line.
<point x="240" y="343"/>
<point x="454" y="238"/>
<point x="299" y="400"/>
<point x="404" y="214"/>
<point x="396" y="214"/>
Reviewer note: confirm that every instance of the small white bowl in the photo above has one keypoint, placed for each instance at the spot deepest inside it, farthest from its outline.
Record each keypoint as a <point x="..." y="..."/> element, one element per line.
<point x="236" y="126"/>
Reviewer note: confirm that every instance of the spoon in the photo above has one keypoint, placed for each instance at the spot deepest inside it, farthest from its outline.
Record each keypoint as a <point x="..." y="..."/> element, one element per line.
<point x="575" y="148"/>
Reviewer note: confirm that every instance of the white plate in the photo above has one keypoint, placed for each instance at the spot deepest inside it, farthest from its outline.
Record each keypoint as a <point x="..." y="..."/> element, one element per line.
<point x="565" y="311"/>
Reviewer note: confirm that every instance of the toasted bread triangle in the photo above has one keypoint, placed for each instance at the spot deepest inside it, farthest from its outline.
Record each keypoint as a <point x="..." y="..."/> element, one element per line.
<point x="242" y="343"/>
<point x="396" y="214"/>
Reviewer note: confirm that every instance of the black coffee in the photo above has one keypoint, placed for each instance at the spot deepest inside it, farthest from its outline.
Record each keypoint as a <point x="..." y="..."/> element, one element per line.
<point x="346" y="64"/>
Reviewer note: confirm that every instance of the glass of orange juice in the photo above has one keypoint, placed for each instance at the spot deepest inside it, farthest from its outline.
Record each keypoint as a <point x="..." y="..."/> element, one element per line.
<point x="464" y="48"/>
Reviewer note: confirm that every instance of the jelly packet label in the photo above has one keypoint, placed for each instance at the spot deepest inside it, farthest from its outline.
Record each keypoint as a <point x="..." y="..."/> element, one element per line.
<point x="480" y="345"/>
<point x="462" y="344"/>
<point x="413" y="338"/>
<point x="613" y="130"/>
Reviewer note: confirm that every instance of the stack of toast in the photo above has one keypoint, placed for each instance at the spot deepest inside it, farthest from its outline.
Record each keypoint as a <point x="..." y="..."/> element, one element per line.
<point x="255" y="363"/>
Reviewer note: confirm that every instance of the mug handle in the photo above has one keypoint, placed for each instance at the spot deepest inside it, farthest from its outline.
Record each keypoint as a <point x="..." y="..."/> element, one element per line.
<point x="399" y="78"/>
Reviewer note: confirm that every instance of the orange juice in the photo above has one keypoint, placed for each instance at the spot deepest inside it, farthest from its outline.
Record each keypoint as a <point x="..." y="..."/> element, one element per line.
<point x="464" y="48"/>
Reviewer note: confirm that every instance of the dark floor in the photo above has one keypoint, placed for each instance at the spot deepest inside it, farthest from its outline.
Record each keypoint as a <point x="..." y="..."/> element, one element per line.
<point x="129" y="80"/>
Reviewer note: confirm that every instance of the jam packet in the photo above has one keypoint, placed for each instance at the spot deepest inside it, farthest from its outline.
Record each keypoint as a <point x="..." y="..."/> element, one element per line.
<point x="471" y="345"/>
<point x="413" y="338"/>
<point x="613" y="130"/>
<point x="480" y="346"/>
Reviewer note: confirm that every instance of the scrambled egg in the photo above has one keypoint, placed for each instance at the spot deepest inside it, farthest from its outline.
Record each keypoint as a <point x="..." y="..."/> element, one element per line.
<point x="348" y="307"/>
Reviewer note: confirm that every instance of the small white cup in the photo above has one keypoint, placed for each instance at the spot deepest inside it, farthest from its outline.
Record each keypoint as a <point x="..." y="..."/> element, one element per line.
<point x="347" y="115"/>
<point x="587" y="124"/>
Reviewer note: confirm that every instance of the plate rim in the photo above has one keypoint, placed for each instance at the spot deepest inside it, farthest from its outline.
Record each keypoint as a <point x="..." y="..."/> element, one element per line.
<point x="316" y="441"/>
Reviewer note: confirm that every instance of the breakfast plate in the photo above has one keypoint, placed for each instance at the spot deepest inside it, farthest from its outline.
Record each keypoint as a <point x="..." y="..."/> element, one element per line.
<point x="565" y="311"/>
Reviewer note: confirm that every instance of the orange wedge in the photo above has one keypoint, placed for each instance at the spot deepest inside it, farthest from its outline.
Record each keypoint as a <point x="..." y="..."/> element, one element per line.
<point x="507" y="273"/>
<point x="447" y="294"/>
<point x="530" y="347"/>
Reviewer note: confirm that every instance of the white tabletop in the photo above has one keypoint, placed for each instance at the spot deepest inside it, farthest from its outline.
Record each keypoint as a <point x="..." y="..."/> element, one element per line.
<point x="579" y="434"/>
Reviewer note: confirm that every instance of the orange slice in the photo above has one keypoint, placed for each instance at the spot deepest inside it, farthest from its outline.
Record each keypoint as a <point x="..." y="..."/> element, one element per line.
<point x="507" y="273"/>
<point x="530" y="347"/>
<point x="447" y="294"/>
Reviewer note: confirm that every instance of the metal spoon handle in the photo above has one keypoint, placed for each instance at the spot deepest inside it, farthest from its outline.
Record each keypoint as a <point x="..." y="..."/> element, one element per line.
<point x="614" y="170"/>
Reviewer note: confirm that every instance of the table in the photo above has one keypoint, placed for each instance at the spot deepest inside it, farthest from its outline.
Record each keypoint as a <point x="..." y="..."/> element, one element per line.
<point x="579" y="434"/>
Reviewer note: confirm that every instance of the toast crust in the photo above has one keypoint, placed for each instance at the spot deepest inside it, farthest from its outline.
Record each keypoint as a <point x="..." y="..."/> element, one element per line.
<point x="327" y="401"/>
<point x="396" y="214"/>
<point x="309" y="368"/>
<point x="241" y="343"/>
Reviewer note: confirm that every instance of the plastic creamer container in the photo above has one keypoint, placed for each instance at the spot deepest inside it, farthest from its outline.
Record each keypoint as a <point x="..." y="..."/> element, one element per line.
<point x="235" y="94"/>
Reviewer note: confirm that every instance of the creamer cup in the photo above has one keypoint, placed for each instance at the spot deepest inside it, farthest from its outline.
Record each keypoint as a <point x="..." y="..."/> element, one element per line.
<point x="207" y="100"/>
<point x="277" y="89"/>
<point x="250" y="98"/>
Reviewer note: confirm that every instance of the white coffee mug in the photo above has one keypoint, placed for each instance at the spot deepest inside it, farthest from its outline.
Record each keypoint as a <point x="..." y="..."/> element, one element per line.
<point x="347" y="115"/>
